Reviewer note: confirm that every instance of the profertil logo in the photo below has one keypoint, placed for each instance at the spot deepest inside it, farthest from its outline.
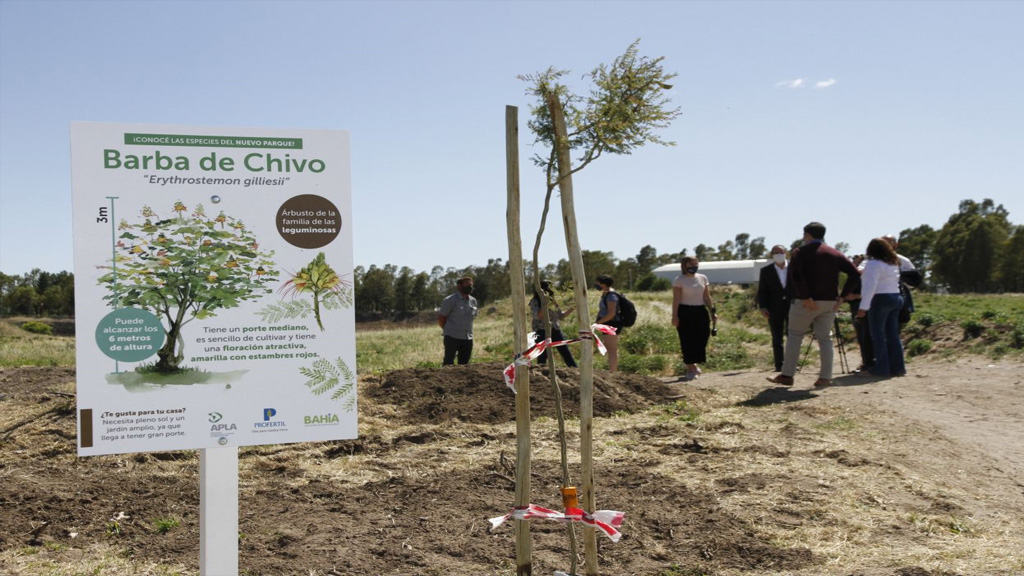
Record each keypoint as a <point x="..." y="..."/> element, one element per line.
<point x="269" y="423"/>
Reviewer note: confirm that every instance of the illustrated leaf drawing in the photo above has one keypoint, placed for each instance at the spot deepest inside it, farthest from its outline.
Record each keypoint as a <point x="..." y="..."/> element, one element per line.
<point x="289" y="310"/>
<point x="324" y="376"/>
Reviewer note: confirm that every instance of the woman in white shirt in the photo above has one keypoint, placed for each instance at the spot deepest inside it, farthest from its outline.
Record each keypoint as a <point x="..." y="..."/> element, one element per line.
<point x="880" y="301"/>
<point x="691" y="304"/>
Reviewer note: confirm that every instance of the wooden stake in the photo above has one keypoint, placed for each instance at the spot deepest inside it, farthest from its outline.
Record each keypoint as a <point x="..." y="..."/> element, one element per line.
<point x="579" y="280"/>
<point x="524" y="562"/>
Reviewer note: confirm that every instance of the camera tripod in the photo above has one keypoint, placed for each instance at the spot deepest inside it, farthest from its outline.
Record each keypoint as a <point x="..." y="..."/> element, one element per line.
<point x="844" y="365"/>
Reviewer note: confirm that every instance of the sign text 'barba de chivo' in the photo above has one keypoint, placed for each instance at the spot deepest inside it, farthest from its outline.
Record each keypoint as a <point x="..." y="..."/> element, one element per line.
<point x="253" y="162"/>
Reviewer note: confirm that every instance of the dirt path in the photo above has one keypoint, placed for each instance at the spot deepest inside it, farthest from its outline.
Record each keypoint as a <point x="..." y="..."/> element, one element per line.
<point x="974" y="402"/>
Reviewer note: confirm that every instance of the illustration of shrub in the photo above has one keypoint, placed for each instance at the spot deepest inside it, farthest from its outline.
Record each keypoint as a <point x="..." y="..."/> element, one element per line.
<point x="325" y="376"/>
<point x="324" y="286"/>
<point x="185" y="268"/>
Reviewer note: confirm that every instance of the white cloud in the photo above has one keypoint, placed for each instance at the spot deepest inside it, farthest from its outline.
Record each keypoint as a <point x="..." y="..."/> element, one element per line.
<point x="822" y="84"/>
<point x="792" y="84"/>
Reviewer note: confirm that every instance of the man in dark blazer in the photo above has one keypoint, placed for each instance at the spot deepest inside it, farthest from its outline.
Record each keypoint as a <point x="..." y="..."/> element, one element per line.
<point x="773" y="298"/>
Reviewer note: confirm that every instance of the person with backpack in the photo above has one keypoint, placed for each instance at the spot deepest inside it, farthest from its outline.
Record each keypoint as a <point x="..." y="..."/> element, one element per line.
<point x="693" y="311"/>
<point x="608" y="313"/>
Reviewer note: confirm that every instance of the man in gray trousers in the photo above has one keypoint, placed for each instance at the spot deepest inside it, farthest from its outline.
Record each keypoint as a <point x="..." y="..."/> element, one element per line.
<point x="814" y="276"/>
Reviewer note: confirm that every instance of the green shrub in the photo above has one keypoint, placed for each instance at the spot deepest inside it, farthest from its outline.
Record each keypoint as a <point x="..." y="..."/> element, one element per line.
<point x="650" y="339"/>
<point x="972" y="329"/>
<point x="918" y="347"/>
<point x="1017" y="336"/>
<point x="38" y="328"/>
<point x="726" y="352"/>
<point x="657" y="363"/>
<point x="925" y="319"/>
<point x="165" y="525"/>
<point x="637" y="364"/>
<point x="631" y="363"/>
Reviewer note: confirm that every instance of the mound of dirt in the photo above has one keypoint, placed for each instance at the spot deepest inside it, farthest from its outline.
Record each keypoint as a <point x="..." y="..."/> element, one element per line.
<point x="476" y="393"/>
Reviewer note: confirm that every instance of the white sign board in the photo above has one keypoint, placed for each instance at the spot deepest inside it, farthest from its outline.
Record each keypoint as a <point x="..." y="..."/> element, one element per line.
<point x="213" y="287"/>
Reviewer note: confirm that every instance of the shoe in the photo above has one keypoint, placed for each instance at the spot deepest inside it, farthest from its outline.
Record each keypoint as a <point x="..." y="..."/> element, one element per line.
<point x="781" y="379"/>
<point x="699" y="372"/>
<point x="822" y="383"/>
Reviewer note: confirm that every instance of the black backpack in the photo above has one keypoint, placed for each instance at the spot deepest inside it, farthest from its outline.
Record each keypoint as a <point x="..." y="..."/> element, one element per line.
<point x="626" y="310"/>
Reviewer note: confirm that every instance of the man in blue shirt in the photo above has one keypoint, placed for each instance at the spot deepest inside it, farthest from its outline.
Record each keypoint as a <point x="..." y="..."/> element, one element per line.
<point x="455" y="317"/>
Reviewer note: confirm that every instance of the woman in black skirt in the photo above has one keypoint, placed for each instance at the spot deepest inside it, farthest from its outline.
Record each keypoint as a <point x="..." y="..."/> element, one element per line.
<point x="692" y="312"/>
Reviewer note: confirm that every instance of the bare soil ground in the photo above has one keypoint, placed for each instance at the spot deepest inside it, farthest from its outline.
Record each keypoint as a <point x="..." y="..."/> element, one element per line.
<point x="727" y="475"/>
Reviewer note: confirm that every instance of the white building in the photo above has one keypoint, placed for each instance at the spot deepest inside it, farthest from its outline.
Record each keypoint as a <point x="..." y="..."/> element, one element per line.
<point x="728" y="272"/>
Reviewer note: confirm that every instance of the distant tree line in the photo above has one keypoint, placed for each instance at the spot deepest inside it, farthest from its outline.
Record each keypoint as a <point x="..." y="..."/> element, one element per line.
<point x="37" y="293"/>
<point x="977" y="250"/>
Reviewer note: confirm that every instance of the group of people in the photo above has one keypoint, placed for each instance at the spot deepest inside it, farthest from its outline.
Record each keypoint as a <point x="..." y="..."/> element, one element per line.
<point x="691" y="299"/>
<point x="797" y="295"/>
<point x="457" y="311"/>
<point x="803" y="295"/>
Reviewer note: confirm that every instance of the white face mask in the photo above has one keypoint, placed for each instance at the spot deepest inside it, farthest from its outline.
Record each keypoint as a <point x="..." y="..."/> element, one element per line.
<point x="779" y="258"/>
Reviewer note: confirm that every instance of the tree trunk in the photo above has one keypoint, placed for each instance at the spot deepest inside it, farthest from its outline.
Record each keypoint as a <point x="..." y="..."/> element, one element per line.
<point x="168" y="360"/>
<point x="524" y="560"/>
<point x="579" y="279"/>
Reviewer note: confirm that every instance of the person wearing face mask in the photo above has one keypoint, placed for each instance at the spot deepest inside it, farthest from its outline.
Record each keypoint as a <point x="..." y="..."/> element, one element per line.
<point x="608" y="314"/>
<point x="455" y="317"/>
<point x="773" y="300"/>
<point x="691" y="303"/>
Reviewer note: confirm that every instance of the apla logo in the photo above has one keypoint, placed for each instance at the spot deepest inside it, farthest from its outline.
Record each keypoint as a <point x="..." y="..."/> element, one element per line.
<point x="218" y="428"/>
<point x="321" y="420"/>
<point x="267" y="425"/>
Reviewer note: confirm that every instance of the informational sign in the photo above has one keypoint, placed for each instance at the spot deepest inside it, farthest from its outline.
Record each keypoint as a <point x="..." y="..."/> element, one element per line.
<point x="213" y="287"/>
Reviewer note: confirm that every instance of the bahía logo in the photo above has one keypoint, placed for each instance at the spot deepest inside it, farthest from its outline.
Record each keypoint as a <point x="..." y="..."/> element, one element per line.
<point x="216" y="417"/>
<point x="321" y="420"/>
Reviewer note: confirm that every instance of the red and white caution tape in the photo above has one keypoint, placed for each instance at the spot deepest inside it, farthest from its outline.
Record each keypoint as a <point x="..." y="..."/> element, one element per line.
<point x="537" y="349"/>
<point x="607" y="521"/>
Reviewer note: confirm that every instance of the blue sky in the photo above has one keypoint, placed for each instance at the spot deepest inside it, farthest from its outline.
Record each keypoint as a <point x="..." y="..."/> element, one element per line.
<point x="871" y="117"/>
